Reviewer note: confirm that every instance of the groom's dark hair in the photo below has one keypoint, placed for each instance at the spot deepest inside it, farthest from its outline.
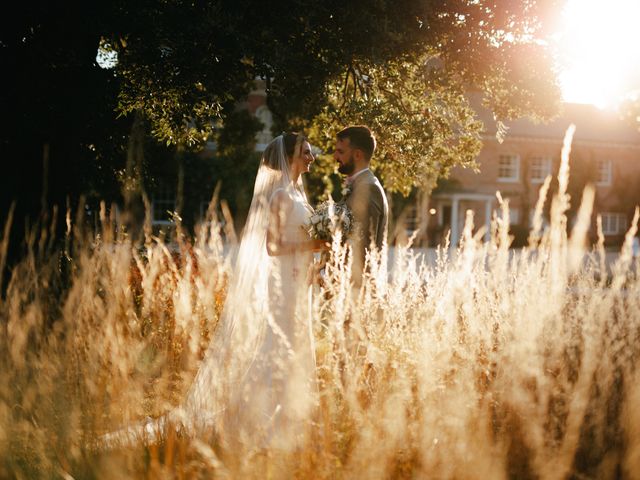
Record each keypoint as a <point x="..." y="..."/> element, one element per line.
<point x="360" y="137"/>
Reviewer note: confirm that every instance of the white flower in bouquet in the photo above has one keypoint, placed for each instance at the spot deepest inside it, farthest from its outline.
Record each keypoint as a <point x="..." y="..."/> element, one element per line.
<point x="328" y="218"/>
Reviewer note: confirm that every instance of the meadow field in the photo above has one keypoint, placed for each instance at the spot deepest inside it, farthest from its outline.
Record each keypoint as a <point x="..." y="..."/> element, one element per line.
<point x="481" y="366"/>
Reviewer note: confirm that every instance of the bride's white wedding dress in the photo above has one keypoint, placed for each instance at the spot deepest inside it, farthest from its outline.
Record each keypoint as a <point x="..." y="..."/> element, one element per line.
<point x="256" y="386"/>
<point x="280" y="384"/>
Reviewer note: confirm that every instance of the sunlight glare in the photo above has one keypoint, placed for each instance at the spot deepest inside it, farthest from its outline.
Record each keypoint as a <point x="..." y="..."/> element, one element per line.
<point x="599" y="51"/>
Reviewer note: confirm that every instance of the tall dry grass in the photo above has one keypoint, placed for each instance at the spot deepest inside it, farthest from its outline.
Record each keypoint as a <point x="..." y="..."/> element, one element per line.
<point x="487" y="365"/>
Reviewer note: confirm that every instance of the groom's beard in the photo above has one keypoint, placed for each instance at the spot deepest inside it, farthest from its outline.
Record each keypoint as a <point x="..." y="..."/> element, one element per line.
<point x="348" y="167"/>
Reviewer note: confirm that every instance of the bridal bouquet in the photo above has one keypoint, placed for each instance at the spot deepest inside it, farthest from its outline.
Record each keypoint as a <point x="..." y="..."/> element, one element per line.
<point x="328" y="218"/>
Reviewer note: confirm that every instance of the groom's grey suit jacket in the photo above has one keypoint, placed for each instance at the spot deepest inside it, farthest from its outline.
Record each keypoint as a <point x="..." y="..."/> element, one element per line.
<point x="370" y="208"/>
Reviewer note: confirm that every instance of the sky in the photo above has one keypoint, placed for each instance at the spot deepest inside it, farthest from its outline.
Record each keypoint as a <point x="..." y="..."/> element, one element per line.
<point x="599" y="48"/>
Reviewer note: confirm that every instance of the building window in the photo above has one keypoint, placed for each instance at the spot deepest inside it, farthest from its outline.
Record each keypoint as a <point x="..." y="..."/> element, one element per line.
<point x="163" y="203"/>
<point x="514" y="216"/>
<point x="603" y="172"/>
<point x="532" y="213"/>
<point x="412" y="220"/>
<point x="508" y="168"/>
<point x="540" y="169"/>
<point x="613" y="223"/>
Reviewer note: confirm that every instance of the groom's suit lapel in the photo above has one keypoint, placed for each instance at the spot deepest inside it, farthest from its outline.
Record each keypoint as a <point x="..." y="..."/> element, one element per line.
<point x="358" y="183"/>
<point x="360" y="201"/>
<point x="368" y="203"/>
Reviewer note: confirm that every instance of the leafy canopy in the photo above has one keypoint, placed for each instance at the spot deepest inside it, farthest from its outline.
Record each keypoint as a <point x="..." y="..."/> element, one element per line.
<point x="404" y="67"/>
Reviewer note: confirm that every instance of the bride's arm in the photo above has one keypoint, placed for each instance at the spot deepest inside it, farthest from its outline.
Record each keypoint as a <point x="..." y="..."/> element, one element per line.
<point x="280" y="207"/>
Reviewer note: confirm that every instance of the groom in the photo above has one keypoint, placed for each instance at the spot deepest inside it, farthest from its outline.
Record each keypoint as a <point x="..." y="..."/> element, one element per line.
<point x="363" y="193"/>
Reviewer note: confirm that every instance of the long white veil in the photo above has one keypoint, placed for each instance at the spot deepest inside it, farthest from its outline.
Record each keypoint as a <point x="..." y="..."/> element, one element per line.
<point x="243" y="320"/>
<point x="215" y="395"/>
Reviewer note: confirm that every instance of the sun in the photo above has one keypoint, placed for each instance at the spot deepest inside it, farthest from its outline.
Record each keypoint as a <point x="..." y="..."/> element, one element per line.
<point x="599" y="46"/>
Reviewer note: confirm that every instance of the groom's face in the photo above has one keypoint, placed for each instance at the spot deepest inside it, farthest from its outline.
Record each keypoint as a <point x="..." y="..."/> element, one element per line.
<point x="344" y="156"/>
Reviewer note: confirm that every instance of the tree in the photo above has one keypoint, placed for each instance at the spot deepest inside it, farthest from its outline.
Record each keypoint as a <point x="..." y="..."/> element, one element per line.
<point x="402" y="66"/>
<point x="60" y="134"/>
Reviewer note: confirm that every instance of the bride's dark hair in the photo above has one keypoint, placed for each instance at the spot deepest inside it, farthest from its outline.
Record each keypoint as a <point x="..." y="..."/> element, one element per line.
<point x="291" y="140"/>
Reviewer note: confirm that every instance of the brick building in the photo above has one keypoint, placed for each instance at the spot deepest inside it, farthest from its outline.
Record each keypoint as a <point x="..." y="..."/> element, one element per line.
<point x="605" y="152"/>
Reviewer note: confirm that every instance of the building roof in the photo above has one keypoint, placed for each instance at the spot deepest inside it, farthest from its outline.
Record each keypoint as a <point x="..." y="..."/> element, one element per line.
<point x="592" y="125"/>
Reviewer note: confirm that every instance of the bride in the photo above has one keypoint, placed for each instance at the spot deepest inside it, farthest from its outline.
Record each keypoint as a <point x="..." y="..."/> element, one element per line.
<point x="256" y="385"/>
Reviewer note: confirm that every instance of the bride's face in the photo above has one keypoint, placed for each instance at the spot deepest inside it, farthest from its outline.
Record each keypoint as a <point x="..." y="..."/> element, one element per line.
<point x="303" y="159"/>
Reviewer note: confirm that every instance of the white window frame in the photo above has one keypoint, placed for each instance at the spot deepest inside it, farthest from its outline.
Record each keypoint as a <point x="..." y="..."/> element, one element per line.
<point x="604" y="176"/>
<point x="613" y="223"/>
<point x="162" y="200"/>
<point x="515" y="177"/>
<point x="540" y="171"/>
<point x="440" y="209"/>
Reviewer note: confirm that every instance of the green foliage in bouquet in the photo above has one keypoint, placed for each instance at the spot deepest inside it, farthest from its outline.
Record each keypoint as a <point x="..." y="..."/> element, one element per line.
<point x="329" y="218"/>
